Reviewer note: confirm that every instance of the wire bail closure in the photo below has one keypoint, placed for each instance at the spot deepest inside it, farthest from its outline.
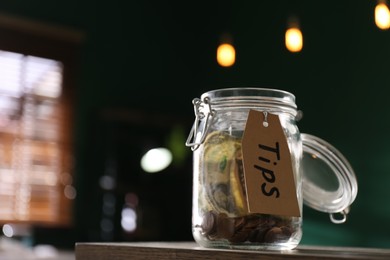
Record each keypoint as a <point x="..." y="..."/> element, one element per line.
<point x="202" y="110"/>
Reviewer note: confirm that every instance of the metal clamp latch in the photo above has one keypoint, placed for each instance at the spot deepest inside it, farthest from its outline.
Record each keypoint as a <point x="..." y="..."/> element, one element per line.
<point x="203" y="116"/>
<point x="343" y="213"/>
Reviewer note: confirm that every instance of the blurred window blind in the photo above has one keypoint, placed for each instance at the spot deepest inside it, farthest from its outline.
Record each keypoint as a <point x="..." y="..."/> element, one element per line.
<point x="34" y="182"/>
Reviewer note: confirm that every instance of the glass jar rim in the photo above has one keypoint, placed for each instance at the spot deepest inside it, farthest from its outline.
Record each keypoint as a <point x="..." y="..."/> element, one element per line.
<point x="250" y="92"/>
<point x="251" y="97"/>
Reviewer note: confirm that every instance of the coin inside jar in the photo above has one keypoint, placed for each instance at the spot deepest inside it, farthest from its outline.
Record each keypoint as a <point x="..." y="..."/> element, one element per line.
<point x="256" y="228"/>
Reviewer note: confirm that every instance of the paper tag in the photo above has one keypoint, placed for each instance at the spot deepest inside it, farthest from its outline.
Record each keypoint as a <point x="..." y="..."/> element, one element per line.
<point x="269" y="176"/>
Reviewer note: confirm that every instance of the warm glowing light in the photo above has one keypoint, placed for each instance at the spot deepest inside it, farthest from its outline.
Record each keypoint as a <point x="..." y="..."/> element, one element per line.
<point x="156" y="160"/>
<point x="294" y="39"/>
<point x="226" y="55"/>
<point x="382" y="16"/>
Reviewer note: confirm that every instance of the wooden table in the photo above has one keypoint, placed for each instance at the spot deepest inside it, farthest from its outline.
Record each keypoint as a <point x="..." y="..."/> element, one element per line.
<point x="189" y="250"/>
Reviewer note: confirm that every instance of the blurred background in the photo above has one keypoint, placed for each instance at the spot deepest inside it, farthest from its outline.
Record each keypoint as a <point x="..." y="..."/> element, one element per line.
<point x="88" y="87"/>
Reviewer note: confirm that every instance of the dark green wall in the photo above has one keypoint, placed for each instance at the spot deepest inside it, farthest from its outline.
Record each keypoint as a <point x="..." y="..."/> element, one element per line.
<point x="158" y="55"/>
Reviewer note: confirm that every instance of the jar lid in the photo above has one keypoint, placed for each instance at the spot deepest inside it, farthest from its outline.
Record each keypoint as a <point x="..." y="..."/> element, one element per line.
<point x="329" y="182"/>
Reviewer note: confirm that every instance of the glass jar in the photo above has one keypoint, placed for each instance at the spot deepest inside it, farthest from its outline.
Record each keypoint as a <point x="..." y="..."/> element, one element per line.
<point x="221" y="215"/>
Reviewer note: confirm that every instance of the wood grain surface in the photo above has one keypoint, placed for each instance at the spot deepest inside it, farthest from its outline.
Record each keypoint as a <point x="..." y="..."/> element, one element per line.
<point x="190" y="250"/>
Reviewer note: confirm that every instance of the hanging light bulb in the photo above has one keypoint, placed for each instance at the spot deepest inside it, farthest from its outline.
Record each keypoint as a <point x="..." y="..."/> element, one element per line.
<point x="226" y="53"/>
<point x="382" y="15"/>
<point x="293" y="36"/>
